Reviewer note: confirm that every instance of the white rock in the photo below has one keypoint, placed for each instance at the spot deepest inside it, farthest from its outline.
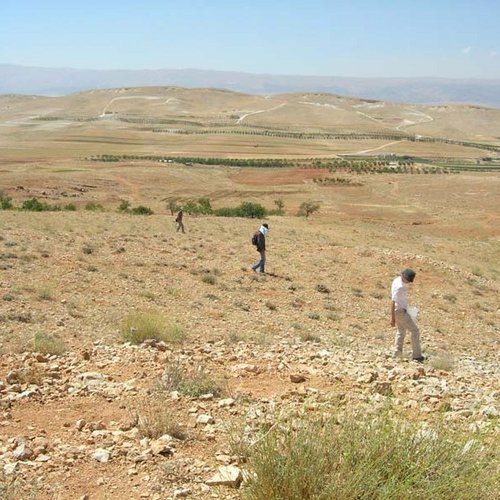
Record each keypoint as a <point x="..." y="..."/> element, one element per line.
<point x="205" y="419"/>
<point x="226" y="402"/>
<point x="227" y="475"/>
<point x="182" y="492"/>
<point x="101" y="455"/>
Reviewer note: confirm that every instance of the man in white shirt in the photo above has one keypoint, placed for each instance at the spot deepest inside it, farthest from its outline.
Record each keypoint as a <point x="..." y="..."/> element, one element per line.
<point x="400" y="317"/>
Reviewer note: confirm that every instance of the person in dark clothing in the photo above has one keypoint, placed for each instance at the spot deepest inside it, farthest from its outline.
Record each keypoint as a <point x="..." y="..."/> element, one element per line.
<point x="178" y="220"/>
<point x="261" y="248"/>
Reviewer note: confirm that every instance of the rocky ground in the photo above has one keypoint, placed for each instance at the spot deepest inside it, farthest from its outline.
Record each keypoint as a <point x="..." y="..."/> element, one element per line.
<point x="105" y="419"/>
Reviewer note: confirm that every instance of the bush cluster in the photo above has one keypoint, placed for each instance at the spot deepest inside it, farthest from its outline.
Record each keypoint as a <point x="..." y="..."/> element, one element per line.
<point x="370" y="458"/>
<point x="125" y="207"/>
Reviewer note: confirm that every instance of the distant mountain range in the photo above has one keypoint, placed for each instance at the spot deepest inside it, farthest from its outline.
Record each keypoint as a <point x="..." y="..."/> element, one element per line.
<point x="30" y="80"/>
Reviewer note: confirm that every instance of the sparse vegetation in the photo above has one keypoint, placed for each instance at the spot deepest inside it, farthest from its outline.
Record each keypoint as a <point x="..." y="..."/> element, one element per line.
<point x="138" y="327"/>
<point x="156" y="417"/>
<point x="125" y="207"/>
<point x="209" y="277"/>
<point x="377" y="457"/>
<point x="307" y="208"/>
<point x="92" y="206"/>
<point x="442" y="361"/>
<point x="47" y="344"/>
<point x="190" y="382"/>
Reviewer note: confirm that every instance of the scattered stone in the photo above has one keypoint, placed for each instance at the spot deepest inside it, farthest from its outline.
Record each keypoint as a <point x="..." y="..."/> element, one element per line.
<point x="182" y="492"/>
<point x="227" y="475"/>
<point x="101" y="455"/>
<point x="162" y="446"/>
<point x="205" y="419"/>
<point x="296" y="378"/>
<point x="23" y="452"/>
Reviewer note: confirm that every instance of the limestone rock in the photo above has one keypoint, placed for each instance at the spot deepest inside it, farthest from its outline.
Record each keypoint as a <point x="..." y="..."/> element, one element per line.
<point x="227" y="475"/>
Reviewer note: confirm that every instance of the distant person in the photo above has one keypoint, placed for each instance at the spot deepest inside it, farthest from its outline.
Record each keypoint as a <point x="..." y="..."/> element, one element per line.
<point x="178" y="220"/>
<point x="400" y="317"/>
<point x="259" y="240"/>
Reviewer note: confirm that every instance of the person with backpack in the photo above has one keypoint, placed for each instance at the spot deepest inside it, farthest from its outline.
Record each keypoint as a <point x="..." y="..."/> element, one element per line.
<point x="259" y="240"/>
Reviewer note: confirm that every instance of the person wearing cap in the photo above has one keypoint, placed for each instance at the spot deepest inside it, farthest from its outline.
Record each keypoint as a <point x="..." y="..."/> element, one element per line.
<point x="400" y="317"/>
<point x="261" y="248"/>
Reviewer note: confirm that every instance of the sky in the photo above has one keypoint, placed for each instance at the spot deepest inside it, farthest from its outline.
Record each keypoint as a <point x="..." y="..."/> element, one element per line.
<point x="357" y="38"/>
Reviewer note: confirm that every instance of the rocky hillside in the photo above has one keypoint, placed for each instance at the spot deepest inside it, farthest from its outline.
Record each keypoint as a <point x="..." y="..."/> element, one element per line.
<point x="85" y="414"/>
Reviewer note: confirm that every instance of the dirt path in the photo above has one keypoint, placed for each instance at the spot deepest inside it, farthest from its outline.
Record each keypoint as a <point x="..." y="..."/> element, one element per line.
<point x="241" y="118"/>
<point x="376" y="149"/>
<point x="148" y="97"/>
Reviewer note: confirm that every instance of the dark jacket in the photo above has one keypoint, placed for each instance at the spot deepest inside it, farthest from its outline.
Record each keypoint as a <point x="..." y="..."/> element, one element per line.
<point x="261" y="242"/>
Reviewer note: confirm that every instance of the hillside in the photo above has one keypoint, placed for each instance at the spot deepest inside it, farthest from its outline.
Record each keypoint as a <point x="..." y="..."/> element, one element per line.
<point x="209" y="122"/>
<point x="236" y="364"/>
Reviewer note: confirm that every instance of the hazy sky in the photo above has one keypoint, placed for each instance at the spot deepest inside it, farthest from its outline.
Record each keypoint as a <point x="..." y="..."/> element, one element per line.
<point x="371" y="38"/>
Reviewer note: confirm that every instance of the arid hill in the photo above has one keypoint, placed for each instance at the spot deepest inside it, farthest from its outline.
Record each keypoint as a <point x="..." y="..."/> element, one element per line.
<point x="138" y="362"/>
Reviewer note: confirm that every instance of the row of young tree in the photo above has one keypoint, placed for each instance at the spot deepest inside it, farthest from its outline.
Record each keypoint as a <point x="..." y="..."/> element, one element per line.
<point x="190" y="160"/>
<point x="287" y="134"/>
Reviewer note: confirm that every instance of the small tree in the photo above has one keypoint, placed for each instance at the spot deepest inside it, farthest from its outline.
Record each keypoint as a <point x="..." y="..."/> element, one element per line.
<point x="124" y="206"/>
<point x="280" y="205"/>
<point x="173" y="206"/>
<point x="307" y="208"/>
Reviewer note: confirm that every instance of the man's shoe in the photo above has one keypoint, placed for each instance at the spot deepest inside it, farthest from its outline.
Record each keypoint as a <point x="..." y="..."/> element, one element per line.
<point x="421" y="359"/>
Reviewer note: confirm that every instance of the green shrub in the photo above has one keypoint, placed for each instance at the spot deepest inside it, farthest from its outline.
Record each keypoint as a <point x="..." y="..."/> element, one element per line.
<point x="245" y="209"/>
<point x="252" y="210"/>
<point x="6" y="202"/>
<point x="70" y="207"/>
<point x="142" y="210"/>
<point x="226" y="212"/>
<point x="124" y="206"/>
<point x="92" y="206"/>
<point x="34" y="205"/>
<point x="138" y="327"/>
<point x="47" y="344"/>
<point x="377" y="458"/>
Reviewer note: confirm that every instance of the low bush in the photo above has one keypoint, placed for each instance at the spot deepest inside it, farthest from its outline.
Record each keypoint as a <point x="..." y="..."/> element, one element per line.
<point x="190" y="382"/>
<point x="6" y="202"/>
<point x="142" y="210"/>
<point x="92" y="206"/>
<point x="47" y="344"/>
<point x="140" y="326"/>
<point x="155" y="417"/>
<point x="124" y="206"/>
<point x="34" y="205"/>
<point x="246" y="209"/>
<point x="377" y="458"/>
